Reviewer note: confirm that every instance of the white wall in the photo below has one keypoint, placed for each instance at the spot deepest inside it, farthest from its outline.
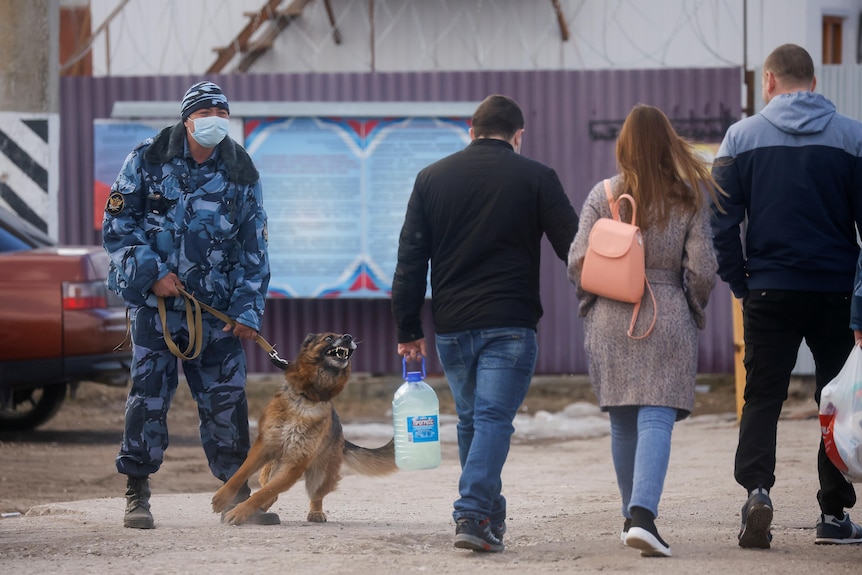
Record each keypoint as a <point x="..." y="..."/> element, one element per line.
<point x="152" y="37"/>
<point x="799" y="22"/>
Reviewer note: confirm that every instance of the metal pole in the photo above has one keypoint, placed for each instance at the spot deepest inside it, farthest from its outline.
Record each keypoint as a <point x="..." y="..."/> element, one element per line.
<point x="748" y="74"/>
<point x="371" y="21"/>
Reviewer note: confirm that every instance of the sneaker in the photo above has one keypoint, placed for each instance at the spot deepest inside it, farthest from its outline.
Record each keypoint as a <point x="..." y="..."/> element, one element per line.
<point x="499" y="530"/>
<point x="627" y="524"/>
<point x="650" y="545"/>
<point x="756" y="518"/>
<point x="643" y="535"/>
<point x="475" y="534"/>
<point x="834" y="531"/>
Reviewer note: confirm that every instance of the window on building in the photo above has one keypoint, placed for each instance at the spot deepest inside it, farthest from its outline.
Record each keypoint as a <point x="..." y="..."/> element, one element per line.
<point x="832" y="39"/>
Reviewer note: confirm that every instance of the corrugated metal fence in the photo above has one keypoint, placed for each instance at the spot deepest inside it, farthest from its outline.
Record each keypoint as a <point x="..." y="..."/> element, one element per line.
<point x="572" y="118"/>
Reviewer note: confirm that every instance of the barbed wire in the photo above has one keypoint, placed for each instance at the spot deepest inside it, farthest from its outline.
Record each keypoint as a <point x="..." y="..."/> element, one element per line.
<point x="153" y="37"/>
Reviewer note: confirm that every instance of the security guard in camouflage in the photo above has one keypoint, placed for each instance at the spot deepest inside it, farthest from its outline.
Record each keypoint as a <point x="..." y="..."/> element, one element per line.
<point x="186" y="211"/>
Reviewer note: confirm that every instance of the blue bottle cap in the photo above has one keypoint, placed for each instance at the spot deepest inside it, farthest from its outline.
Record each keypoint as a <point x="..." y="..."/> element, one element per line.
<point x="412" y="376"/>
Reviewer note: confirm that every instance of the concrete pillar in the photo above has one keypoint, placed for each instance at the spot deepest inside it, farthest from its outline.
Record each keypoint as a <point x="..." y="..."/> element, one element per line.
<point x="29" y="46"/>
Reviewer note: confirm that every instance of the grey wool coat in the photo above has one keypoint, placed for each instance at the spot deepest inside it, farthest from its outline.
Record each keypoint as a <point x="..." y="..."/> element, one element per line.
<point x="681" y="265"/>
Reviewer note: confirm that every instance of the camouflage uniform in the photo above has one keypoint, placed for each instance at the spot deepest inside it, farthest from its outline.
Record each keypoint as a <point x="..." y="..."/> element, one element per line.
<point x="207" y="225"/>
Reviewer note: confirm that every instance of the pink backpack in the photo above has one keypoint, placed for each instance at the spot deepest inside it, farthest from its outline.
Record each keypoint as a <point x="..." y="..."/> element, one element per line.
<point x="614" y="263"/>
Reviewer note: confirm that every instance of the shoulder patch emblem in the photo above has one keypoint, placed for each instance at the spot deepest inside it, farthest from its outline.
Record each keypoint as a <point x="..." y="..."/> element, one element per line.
<point x="116" y="203"/>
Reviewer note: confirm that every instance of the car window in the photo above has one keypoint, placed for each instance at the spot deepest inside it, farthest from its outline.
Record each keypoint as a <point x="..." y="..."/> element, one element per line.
<point x="27" y="235"/>
<point x="10" y="243"/>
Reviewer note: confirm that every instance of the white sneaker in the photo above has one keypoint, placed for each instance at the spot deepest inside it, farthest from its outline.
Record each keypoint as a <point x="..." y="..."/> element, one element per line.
<point x="650" y="545"/>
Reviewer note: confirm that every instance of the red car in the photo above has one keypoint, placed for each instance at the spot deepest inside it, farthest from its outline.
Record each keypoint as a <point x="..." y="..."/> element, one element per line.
<point x="59" y="325"/>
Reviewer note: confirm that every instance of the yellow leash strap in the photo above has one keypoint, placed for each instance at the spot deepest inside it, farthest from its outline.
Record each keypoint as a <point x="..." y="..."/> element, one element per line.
<point x="193" y="310"/>
<point x="126" y="344"/>
<point x="195" y="327"/>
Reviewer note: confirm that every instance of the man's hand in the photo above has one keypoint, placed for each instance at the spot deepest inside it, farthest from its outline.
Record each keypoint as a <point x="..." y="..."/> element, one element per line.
<point x="412" y="350"/>
<point x="167" y="286"/>
<point x="242" y="331"/>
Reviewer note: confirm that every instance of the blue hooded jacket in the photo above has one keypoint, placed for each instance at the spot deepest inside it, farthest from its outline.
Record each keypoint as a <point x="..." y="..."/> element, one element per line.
<point x="795" y="172"/>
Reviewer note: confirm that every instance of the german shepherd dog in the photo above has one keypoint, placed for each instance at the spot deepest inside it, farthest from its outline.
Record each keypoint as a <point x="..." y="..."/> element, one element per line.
<point x="299" y="433"/>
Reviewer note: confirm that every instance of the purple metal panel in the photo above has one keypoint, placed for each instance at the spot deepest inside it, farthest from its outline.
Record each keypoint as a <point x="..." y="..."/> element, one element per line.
<point x="562" y="109"/>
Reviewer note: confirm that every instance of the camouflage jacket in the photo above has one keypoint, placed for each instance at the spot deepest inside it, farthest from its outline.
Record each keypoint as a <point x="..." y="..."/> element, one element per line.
<point x="212" y="236"/>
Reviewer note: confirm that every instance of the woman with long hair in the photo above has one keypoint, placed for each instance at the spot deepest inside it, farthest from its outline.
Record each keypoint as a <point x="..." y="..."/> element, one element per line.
<point x="646" y="385"/>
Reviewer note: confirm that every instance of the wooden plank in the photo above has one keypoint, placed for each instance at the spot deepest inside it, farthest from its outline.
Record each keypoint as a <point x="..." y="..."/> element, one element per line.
<point x="226" y="54"/>
<point x="268" y="36"/>
<point x="336" y="33"/>
<point x="561" y="20"/>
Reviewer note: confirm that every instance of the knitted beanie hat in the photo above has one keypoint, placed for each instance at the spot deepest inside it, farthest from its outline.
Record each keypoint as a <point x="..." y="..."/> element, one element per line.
<point x="203" y="95"/>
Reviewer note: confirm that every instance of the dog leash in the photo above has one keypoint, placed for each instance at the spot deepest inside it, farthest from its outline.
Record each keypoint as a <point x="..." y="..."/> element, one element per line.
<point x="195" y="329"/>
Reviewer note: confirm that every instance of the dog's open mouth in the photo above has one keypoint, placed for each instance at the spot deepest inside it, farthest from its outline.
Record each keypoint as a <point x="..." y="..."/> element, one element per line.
<point x="340" y="352"/>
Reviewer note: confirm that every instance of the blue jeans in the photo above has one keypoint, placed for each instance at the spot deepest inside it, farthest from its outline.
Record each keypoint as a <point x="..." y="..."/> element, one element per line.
<point x="640" y="447"/>
<point x="489" y="372"/>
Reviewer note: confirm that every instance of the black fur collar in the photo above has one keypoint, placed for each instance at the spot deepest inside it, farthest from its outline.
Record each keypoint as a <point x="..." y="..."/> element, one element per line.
<point x="170" y="143"/>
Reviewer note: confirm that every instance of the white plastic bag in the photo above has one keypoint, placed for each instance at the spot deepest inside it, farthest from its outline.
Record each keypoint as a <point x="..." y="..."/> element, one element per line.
<point x="841" y="417"/>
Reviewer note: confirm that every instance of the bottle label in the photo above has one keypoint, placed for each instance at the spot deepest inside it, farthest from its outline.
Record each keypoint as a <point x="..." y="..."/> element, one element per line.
<point x="422" y="429"/>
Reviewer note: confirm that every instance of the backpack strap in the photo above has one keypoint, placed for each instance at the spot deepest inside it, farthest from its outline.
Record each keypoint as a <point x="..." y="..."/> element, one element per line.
<point x="615" y="211"/>
<point x="635" y="315"/>
<point x="609" y="195"/>
<point x="615" y="204"/>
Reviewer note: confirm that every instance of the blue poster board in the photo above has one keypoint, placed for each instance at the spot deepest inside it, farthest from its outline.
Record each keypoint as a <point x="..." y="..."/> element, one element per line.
<point x="335" y="192"/>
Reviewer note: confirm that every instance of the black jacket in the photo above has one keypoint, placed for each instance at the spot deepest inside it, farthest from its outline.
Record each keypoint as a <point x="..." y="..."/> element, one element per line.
<point x="479" y="216"/>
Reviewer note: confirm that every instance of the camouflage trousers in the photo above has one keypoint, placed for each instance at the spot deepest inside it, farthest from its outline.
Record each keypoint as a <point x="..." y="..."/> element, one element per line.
<point x="216" y="379"/>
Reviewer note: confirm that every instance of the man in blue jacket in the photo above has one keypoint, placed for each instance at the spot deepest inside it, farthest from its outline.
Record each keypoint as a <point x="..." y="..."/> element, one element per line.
<point x="479" y="216"/>
<point x="795" y="172"/>
<point x="186" y="211"/>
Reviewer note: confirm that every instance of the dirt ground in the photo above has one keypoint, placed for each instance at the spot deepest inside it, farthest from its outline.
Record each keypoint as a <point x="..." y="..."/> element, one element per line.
<point x="72" y="456"/>
<point x="62" y="505"/>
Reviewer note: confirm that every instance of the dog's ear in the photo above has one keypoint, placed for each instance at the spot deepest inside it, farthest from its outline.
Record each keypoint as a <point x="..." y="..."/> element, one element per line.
<point x="308" y="339"/>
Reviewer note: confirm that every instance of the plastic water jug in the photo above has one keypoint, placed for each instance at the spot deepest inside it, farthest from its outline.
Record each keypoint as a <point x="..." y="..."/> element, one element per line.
<point x="416" y="414"/>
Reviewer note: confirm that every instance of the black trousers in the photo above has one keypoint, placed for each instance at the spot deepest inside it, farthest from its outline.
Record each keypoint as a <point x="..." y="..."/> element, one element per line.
<point x="775" y="322"/>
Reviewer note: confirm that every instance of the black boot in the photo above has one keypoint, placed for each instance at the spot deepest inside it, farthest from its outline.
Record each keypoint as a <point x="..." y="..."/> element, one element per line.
<point x="138" y="514"/>
<point x="258" y="517"/>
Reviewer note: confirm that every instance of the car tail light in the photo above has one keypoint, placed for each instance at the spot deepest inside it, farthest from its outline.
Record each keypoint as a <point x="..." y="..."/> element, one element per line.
<point x="84" y="295"/>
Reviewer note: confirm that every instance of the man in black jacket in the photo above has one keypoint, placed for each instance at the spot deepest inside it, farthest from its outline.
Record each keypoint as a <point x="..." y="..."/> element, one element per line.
<point x="479" y="216"/>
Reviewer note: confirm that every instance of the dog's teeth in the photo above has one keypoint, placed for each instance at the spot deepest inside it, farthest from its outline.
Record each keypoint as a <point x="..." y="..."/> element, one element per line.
<point x="339" y="352"/>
